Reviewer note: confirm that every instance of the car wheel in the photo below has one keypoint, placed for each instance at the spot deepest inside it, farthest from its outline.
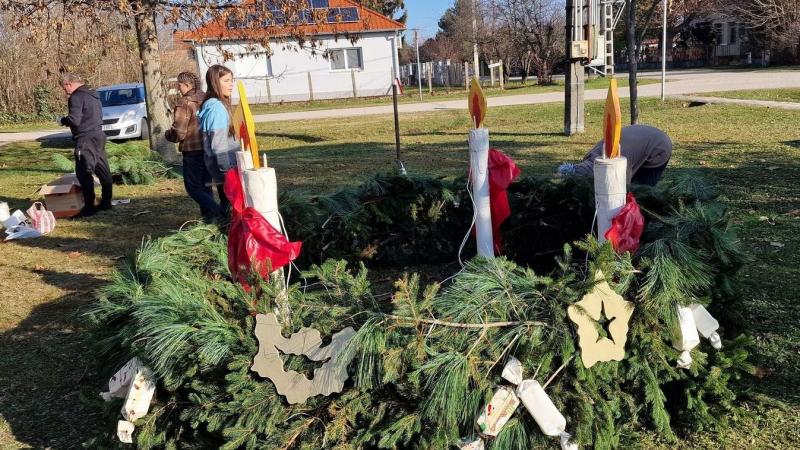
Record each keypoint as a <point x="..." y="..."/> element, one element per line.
<point x="145" y="130"/>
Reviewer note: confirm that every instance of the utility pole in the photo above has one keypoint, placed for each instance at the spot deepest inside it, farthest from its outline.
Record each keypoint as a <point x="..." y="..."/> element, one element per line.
<point x="573" y="92"/>
<point x="664" y="51"/>
<point x="475" y="59"/>
<point x="419" y="66"/>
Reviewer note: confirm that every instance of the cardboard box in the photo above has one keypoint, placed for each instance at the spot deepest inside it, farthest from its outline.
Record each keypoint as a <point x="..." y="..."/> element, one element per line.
<point x="63" y="196"/>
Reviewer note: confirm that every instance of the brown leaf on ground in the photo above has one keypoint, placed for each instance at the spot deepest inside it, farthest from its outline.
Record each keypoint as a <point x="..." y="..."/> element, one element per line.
<point x="703" y="162"/>
<point x="793" y="213"/>
<point x="73" y="255"/>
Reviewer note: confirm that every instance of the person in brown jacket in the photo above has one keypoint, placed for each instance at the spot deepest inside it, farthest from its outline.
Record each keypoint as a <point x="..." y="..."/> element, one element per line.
<point x="185" y="132"/>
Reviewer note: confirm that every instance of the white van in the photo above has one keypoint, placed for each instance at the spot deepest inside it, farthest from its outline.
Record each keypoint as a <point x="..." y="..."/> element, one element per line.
<point x="124" y="111"/>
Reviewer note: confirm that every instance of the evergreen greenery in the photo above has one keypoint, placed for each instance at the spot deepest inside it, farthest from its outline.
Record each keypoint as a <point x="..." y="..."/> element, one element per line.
<point x="428" y="357"/>
<point x="129" y="162"/>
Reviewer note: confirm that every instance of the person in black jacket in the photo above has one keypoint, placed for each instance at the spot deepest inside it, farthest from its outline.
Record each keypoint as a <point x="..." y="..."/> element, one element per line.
<point x="85" y="121"/>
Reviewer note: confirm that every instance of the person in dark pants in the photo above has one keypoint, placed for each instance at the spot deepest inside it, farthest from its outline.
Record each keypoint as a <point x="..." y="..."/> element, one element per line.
<point x="185" y="131"/>
<point x="85" y="121"/>
<point x="646" y="148"/>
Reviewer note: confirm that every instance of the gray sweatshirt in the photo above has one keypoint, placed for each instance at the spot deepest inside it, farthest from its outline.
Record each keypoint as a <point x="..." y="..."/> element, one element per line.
<point x="642" y="145"/>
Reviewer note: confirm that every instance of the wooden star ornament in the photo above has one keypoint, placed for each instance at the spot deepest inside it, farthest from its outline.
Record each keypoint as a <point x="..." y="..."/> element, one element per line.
<point x="601" y="309"/>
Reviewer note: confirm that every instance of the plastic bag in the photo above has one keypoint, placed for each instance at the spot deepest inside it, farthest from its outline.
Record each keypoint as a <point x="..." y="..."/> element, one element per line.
<point x="626" y="227"/>
<point x="254" y="245"/>
<point x="42" y="220"/>
<point x="502" y="171"/>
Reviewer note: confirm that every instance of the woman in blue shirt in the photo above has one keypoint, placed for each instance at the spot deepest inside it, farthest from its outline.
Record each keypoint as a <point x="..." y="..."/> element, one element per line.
<point x="216" y="125"/>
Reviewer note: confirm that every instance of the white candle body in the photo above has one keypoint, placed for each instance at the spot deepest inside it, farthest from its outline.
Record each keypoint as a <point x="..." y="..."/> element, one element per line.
<point x="261" y="192"/>
<point x="479" y="173"/>
<point x="539" y="405"/>
<point x="610" y="175"/>
<point x="244" y="160"/>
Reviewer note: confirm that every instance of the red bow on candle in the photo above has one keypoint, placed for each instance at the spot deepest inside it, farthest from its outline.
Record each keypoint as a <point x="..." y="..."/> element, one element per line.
<point x="626" y="227"/>
<point x="254" y="245"/>
<point x="502" y="171"/>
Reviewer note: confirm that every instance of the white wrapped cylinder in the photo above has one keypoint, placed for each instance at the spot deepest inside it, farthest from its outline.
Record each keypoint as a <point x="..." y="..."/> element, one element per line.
<point x="707" y="325"/>
<point x="140" y="394"/>
<point x="244" y="160"/>
<point x="539" y="405"/>
<point x="479" y="173"/>
<point x="610" y="176"/>
<point x="261" y="193"/>
<point x="688" y="338"/>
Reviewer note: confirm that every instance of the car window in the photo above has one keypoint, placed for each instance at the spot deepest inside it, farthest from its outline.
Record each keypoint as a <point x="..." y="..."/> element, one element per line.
<point x="118" y="97"/>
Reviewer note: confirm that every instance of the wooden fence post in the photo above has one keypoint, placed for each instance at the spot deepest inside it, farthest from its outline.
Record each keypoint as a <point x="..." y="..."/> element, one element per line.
<point x="491" y="71"/>
<point x="353" y="79"/>
<point x="502" y="84"/>
<point x="269" y="92"/>
<point x="466" y="76"/>
<point x="310" y="88"/>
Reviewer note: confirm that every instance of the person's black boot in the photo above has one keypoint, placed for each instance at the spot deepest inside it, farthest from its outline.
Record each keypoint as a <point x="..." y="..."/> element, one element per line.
<point x="87" y="211"/>
<point x="104" y="205"/>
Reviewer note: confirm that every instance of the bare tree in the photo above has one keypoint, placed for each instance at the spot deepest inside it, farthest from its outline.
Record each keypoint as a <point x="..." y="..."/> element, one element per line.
<point x="52" y="21"/>
<point x="630" y="22"/>
<point x="777" y="20"/>
<point x="536" y="30"/>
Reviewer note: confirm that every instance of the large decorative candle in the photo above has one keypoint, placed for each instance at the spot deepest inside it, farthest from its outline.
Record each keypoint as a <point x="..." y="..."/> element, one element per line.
<point x="610" y="170"/>
<point x="479" y="170"/>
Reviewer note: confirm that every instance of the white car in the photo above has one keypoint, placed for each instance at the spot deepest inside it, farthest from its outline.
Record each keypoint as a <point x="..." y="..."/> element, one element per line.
<point x="124" y="111"/>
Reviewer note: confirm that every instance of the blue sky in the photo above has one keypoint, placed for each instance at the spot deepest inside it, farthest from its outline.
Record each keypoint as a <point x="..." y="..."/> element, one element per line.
<point x="425" y="14"/>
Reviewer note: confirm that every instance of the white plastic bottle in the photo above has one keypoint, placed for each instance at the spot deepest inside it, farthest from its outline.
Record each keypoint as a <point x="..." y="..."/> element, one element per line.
<point x="707" y="325"/>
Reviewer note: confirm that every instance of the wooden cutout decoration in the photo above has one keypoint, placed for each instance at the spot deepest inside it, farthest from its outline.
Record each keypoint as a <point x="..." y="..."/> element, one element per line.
<point x="293" y="385"/>
<point x="587" y="315"/>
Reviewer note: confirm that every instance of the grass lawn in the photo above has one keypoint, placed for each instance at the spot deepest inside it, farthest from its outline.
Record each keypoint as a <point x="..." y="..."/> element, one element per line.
<point x="411" y="95"/>
<point x="776" y="95"/>
<point x="28" y="126"/>
<point x="48" y="380"/>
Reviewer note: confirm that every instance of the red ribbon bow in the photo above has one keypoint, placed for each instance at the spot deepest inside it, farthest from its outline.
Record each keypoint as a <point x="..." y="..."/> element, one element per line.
<point x="254" y="245"/>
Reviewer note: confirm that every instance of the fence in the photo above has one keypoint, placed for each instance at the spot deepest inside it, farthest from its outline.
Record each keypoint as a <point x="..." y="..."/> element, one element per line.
<point x="437" y="73"/>
<point x="316" y="85"/>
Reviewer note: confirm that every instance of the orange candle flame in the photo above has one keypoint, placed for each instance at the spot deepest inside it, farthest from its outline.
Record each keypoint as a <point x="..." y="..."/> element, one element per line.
<point x="477" y="103"/>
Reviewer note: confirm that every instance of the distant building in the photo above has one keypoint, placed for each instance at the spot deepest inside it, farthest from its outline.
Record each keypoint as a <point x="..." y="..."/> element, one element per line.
<point x="337" y="68"/>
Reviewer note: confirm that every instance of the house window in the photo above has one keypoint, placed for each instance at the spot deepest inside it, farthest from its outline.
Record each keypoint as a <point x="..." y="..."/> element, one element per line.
<point x="346" y="59"/>
<point x="732" y="29"/>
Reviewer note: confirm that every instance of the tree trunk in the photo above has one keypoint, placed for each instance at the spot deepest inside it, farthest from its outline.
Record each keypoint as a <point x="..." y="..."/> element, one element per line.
<point x="157" y="114"/>
<point x="632" y="57"/>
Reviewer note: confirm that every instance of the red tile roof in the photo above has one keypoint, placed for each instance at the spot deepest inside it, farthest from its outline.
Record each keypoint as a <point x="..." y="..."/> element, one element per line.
<point x="368" y="21"/>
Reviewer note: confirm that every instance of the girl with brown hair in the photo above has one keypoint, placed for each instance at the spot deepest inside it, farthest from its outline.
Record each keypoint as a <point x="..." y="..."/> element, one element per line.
<point x="216" y="126"/>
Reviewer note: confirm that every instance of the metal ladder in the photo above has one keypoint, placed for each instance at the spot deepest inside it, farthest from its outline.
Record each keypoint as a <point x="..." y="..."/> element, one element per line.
<point x="607" y="24"/>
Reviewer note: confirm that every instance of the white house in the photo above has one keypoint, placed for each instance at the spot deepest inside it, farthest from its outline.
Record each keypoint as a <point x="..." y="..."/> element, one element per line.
<point x="338" y="67"/>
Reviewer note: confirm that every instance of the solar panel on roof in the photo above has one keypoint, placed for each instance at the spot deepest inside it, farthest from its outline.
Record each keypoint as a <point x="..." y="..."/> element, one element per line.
<point x="349" y="14"/>
<point x="319" y="4"/>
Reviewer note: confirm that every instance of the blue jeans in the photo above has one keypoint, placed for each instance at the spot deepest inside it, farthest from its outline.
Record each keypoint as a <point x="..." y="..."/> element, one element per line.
<point x="197" y="182"/>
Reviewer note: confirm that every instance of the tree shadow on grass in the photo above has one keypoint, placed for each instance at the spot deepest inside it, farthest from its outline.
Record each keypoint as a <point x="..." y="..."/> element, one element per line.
<point x="48" y="378"/>
<point x="307" y="138"/>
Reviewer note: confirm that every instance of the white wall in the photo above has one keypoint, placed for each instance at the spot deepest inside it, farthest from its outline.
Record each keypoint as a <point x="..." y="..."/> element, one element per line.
<point x="287" y="71"/>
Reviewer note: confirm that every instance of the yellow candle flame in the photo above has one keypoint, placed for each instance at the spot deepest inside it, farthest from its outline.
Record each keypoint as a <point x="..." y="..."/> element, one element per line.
<point x="612" y="121"/>
<point x="477" y="103"/>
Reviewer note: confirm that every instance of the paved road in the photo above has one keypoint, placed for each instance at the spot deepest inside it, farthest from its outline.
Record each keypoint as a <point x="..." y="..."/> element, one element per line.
<point x="680" y="83"/>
